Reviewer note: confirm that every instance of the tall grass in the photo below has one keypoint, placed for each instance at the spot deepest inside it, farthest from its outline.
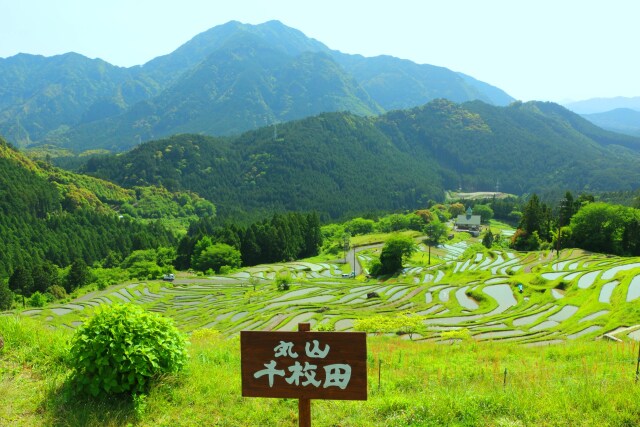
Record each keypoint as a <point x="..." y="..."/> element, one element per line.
<point x="421" y="384"/>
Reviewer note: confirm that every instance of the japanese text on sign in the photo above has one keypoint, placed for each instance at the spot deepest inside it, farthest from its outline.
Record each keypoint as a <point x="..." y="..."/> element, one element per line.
<point x="336" y="374"/>
<point x="313" y="365"/>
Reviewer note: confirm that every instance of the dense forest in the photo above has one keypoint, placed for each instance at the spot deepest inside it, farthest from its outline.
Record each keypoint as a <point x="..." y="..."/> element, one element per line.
<point x="55" y="216"/>
<point x="342" y="165"/>
<point x="279" y="238"/>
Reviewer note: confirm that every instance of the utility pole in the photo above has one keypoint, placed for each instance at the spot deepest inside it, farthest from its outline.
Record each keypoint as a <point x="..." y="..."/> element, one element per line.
<point x="429" y="234"/>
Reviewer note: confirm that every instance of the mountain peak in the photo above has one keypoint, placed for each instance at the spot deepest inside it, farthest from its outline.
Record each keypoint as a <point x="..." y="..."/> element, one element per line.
<point x="224" y="80"/>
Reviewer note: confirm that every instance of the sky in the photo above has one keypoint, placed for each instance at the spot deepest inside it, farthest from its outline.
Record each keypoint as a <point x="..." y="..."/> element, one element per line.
<point x="549" y="50"/>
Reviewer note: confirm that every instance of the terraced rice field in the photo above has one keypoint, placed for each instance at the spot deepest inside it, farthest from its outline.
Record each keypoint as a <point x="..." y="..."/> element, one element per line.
<point x="575" y="296"/>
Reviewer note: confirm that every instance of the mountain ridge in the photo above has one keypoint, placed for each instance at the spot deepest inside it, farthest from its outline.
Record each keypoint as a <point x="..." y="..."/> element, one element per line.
<point x="144" y="86"/>
<point x="341" y="164"/>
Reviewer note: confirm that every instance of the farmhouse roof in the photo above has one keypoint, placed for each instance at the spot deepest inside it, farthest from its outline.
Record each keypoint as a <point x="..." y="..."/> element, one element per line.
<point x="468" y="220"/>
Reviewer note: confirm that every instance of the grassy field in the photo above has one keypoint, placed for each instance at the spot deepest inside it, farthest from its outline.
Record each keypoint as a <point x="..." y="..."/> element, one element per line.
<point x="421" y="384"/>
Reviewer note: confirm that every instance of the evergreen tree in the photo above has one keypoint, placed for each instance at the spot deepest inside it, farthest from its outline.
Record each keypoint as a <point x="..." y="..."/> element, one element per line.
<point x="312" y="235"/>
<point x="44" y="276"/>
<point x="487" y="239"/>
<point x="78" y="275"/>
<point x="184" y="253"/>
<point x="21" y="282"/>
<point x="251" y="251"/>
<point x="532" y="216"/>
<point x="6" y="296"/>
<point x="567" y="209"/>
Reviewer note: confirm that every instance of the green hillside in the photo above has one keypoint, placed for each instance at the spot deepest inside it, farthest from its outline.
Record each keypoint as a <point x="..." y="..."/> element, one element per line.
<point x="226" y="80"/>
<point x="340" y="164"/>
<point x="41" y="98"/>
<point x="53" y="215"/>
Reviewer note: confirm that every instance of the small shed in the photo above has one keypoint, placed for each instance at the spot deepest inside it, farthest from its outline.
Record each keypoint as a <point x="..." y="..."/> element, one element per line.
<point x="468" y="221"/>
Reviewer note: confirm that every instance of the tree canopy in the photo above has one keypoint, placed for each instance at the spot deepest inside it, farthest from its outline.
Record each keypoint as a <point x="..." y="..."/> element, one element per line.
<point x="396" y="250"/>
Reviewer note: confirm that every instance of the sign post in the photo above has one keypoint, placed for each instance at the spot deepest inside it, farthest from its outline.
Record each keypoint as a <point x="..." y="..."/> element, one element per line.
<point x="304" y="404"/>
<point x="304" y="365"/>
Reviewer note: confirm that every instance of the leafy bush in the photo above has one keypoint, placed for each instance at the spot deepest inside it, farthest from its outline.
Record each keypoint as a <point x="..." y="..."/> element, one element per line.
<point x="459" y="334"/>
<point x="283" y="282"/>
<point x="477" y="295"/>
<point x="225" y="269"/>
<point x="57" y="292"/>
<point x="325" y="327"/>
<point x="375" y="267"/>
<point x="122" y="347"/>
<point x="37" y="300"/>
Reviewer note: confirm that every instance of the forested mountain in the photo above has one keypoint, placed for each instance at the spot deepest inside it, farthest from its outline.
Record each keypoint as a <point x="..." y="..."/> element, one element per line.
<point x="340" y="164"/>
<point x="622" y="120"/>
<point x="43" y="97"/>
<point x="229" y="79"/>
<point x="48" y="213"/>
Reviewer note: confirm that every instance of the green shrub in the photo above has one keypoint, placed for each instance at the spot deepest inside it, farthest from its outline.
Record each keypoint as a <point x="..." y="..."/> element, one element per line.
<point x="325" y="327"/>
<point x="57" y="292"/>
<point x="37" y="300"/>
<point x="283" y="282"/>
<point x="225" y="269"/>
<point x="121" y="348"/>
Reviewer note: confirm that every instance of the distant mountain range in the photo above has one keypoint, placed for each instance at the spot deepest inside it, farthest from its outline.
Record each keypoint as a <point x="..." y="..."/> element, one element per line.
<point x="622" y="120"/>
<point x="341" y="164"/>
<point x="619" y="114"/>
<point x="601" y="105"/>
<point x="229" y="79"/>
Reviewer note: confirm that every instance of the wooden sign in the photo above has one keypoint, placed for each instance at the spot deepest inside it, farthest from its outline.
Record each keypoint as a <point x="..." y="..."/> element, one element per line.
<point x="304" y="365"/>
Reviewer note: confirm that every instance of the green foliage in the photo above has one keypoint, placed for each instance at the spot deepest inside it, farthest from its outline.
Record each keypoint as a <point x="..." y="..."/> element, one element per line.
<point x="51" y="217"/>
<point x="436" y="232"/>
<point x="404" y="323"/>
<point x="522" y="241"/>
<point x="330" y="178"/>
<point x="325" y="327"/>
<point x="335" y="179"/>
<point x="21" y="282"/>
<point x="283" y="281"/>
<point x="358" y="226"/>
<point x="487" y="239"/>
<point x="215" y="256"/>
<point x="57" y="292"/>
<point x="376" y="324"/>
<point x="279" y="238"/>
<point x="456" y="209"/>
<point x="108" y="276"/>
<point x="394" y="222"/>
<point x="78" y="276"/>
<point x="37" y="300"/>
<point x="533" y="216"/>
<point x="375" y="267"/>
<point x="485" y="212"/>
<point x="144" y="270"/>
<point x="122" y="348"/>
<point x="396" y="250"/>
<point x="6" y="296"/>
<point x="601" y="227"/>
<point x="460" y="334"/>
